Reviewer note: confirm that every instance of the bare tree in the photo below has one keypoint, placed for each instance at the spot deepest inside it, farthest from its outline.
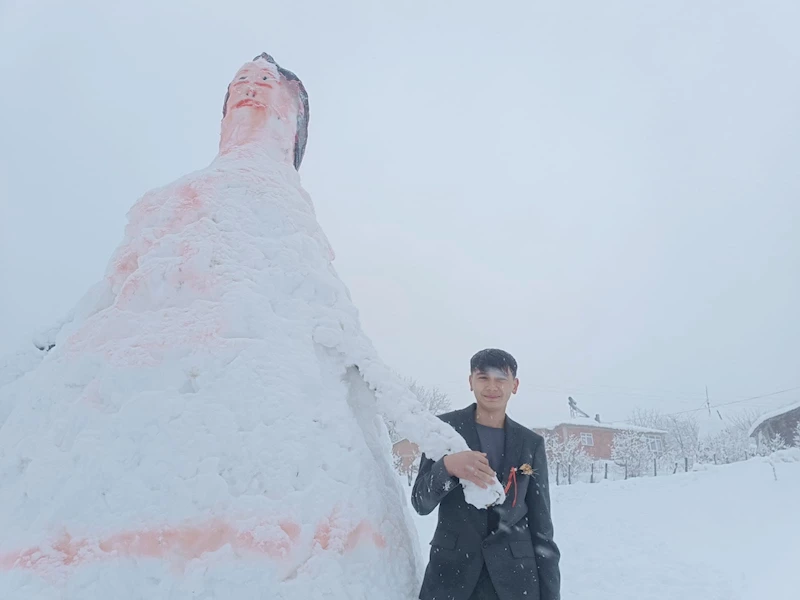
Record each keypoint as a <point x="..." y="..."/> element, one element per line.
<point x="409" y="470"/>
<point x="742" y="420"/>
<point x="433" y="399"/>
<point x="646" y="417"/>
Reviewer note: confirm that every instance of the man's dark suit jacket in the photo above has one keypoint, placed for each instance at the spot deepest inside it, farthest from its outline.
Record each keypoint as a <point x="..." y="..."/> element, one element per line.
<point x="520" y="554"/>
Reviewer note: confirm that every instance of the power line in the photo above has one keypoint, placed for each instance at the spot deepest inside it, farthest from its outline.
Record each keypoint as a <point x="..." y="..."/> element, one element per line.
<point x="630" y="393"/>
<point x="638" y="391"/>
<point x="683" y="412"/>
<point x="707" y="406"/>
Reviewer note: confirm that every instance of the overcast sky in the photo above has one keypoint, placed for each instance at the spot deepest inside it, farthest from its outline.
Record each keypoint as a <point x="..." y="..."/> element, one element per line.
<point x="608" y="190"/>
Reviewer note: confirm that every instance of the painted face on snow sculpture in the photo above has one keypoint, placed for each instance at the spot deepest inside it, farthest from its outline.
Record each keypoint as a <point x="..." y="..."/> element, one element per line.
<point x="266" y="104"/>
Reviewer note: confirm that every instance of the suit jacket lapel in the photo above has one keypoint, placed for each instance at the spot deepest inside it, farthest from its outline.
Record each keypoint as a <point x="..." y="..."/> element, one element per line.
<point x="513" y="448"/>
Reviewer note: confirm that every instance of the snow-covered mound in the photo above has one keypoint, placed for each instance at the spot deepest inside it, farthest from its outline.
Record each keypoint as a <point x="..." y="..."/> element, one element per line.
<point x="728" y="532"/>
<point x="207" y="425"/>
<point x="17" y="364"/>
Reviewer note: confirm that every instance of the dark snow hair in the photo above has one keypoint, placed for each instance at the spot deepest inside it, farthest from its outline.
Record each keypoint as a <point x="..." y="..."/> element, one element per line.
<point x="492" y="358"/>
<point x="301" y="136"/>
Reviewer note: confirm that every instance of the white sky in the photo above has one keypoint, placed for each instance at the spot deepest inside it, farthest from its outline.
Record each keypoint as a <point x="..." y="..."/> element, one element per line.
<point x="608" y="190"/>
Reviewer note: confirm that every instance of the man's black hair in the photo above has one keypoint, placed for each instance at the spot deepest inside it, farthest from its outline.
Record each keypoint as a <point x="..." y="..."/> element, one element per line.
<point x="492" y="358"/>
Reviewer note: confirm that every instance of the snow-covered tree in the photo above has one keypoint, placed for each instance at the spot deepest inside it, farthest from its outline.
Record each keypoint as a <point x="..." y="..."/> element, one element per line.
<point x="630" y="450"/>
<point x="683" y="432"/>
<point x="797" y="435"/>
<point x="565" y="455"/>
<point x="732" y="444"/>
<point x="775" y="443"/>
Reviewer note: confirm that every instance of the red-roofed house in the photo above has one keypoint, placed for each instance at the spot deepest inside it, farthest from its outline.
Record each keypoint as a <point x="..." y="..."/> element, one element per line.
<point x="597" y="438"/>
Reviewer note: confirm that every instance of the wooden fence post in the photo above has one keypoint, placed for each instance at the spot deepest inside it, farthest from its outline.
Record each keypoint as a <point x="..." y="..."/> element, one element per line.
<point x="569" y="473"/>
<point x="591" y="479"/>
<point x="558" y="473"/>
<point x="676" y="469"/>
<point x="606" y="471"/>
<point x="655" y="467"/>
<point x="685" y="464"/>
<point x="626" y="470"/>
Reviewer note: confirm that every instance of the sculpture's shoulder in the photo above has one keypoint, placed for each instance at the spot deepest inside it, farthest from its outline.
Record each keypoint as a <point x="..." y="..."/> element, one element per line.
<point x="456" y="417"/>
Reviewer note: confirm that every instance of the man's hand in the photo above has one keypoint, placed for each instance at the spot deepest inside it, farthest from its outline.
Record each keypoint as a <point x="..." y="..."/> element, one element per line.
<point x="472" y="466"/>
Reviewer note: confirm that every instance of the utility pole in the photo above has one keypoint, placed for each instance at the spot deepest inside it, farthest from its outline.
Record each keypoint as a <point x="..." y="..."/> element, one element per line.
<point x="708" y="402"/>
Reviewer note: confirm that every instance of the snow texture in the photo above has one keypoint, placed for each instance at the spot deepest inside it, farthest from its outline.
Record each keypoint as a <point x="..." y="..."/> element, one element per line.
<point x="16" y="365"/>
<point x="208" y="424"/>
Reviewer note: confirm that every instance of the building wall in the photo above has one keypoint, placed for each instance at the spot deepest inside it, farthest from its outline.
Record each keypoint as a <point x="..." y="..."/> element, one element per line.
<point x="784" y="425"/>
<point x="602" y="438"/>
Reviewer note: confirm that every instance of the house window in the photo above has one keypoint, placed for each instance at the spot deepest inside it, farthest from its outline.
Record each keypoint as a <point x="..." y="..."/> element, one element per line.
<point x="587" y="439"/>
<point x="654" y="444"/>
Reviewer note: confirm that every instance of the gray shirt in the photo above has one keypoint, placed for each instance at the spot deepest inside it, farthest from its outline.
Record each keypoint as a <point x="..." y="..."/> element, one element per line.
<point x="493" y="440"/>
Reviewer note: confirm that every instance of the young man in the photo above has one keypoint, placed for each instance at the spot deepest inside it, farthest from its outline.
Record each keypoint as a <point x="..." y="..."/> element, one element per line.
<point x="504" y="552"/>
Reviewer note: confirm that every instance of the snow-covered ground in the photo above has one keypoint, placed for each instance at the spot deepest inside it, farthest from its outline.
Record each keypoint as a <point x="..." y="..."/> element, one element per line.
<point x="728" y="532"/>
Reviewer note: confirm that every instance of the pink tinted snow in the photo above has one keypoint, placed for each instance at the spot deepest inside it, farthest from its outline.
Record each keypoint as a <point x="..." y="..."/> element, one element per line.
<point x="187" y="542"/>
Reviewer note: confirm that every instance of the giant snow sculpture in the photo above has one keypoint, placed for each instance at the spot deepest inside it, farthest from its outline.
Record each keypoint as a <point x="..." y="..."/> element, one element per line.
<point x="207" y="424"/>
